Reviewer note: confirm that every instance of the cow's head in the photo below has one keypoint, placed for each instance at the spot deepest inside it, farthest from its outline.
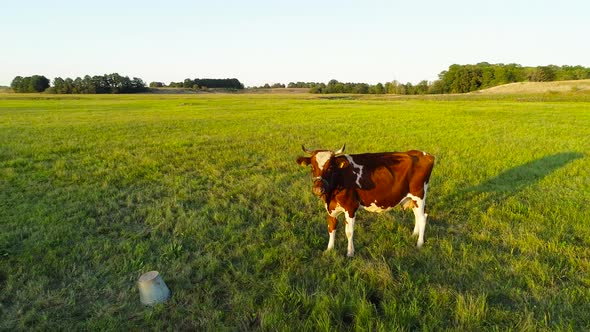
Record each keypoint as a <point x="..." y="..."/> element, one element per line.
<point x="322" y="164"/>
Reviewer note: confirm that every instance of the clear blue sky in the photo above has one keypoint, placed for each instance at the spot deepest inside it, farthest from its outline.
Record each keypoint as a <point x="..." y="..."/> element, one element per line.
<point x="282" y="41"/>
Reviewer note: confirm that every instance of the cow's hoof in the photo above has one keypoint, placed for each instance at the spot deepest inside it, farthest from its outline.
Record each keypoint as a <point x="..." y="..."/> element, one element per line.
<point x="350" y="254"/>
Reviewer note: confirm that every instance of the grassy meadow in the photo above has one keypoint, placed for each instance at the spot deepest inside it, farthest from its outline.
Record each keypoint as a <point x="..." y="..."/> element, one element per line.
<point x="97" y="190"/>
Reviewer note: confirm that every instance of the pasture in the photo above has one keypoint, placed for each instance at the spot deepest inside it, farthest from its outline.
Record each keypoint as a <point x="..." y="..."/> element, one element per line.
<point x="96" y="190"/>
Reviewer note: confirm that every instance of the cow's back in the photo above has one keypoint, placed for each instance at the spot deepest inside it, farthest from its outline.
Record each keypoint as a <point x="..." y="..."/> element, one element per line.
<point x="390" y="176"/>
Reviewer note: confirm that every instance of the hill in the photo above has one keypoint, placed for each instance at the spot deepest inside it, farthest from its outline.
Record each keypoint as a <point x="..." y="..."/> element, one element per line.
<point x="539" y="87"/>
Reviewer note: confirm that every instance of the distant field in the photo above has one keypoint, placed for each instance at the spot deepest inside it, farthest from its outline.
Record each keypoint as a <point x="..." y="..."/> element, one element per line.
<point x="96" y="190"/>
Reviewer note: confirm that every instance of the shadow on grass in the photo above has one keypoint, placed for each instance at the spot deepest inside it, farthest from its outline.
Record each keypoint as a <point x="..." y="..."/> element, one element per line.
<point x="506" y="184"/>
<point x="517" y="178"/>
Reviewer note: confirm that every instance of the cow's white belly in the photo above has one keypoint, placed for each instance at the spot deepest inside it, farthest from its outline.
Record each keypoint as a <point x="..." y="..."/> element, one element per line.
<point x="375" y="208"/>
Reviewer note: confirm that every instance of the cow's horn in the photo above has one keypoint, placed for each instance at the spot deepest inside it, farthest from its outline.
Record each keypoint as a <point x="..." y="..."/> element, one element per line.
<point x="341" y="149"/>
<point x="306" y="150"/>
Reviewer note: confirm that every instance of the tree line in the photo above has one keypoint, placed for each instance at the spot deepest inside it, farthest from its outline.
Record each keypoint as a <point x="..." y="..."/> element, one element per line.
<point x="467" y="78"/>
<point x="99" y="84"/>
<point x="457" y="79"/>
<point x="108" y="83"/>
<point x="111" y="83"/>
<point x="269" y="86"/>
<point x="393" y="87"/>
<point x="204" y="84"/>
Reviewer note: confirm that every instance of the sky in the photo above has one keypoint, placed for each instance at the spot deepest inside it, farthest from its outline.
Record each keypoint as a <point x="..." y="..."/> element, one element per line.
<point x="262" y="42"/>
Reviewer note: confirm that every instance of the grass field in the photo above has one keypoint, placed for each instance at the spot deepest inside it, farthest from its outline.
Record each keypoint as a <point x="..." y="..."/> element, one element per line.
<point x="96" y="190"/>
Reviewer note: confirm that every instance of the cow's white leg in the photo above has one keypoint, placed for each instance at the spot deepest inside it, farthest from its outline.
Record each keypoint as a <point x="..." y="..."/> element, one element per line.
<point x="420" y="224"/>
<point x="331" y="241"/>
<point x="350" y="233"/>
<point x="332" y="223"/>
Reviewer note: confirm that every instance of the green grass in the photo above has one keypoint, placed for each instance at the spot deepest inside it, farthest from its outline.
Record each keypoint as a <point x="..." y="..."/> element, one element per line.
<point x="96" y="190"/>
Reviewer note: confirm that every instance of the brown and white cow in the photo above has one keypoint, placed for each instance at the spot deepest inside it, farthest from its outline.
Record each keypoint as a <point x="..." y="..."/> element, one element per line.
<point x="374" y="181"/>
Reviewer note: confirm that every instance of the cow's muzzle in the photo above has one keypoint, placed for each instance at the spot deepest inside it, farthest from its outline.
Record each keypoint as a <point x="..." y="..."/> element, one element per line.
<point x="318" y="190"/>
<point x="320" y="186"/>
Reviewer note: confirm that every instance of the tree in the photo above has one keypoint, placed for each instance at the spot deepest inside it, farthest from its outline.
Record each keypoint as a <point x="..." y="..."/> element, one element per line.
<point x="393" y="87"/>
<point x="59" y="85"/>
<point x="436" y="87"/>
<point x="379" y="89"/>
<point x="542" y="74"/>
<point x="88" y="85"/>
<point x="68" y="85"/>
<point x="422" y="88"/>
<point x="17" y="84"/>
<point x="35" y="83"/>
<point x="409" y="89"/>
<point x="339" y="88"/>
<point x="317" y="89"/>
<point x="39" y="83"/>
<point x="361" y="88"/>
<point x="227" y="83"/>
<point x="137" y="85"/>
<point x="330" y="87"/>
<point x="77" y="86"/>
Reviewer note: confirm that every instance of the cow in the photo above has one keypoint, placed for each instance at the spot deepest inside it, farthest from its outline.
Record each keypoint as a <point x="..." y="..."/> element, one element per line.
<point x="376" y="182"/>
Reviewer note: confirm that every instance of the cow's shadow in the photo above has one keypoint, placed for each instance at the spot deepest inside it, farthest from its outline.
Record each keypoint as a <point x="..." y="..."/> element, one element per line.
<point x="502" y="186"/>
<point x="516" y="179"/>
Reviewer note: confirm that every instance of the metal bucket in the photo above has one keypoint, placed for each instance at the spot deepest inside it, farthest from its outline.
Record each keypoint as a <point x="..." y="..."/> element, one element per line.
<point x="152" y="288"/>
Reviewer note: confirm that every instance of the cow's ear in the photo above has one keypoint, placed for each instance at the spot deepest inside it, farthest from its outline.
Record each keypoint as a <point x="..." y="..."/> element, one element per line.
<point x="342" y="163"/>
<point x="304" y="161"/>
